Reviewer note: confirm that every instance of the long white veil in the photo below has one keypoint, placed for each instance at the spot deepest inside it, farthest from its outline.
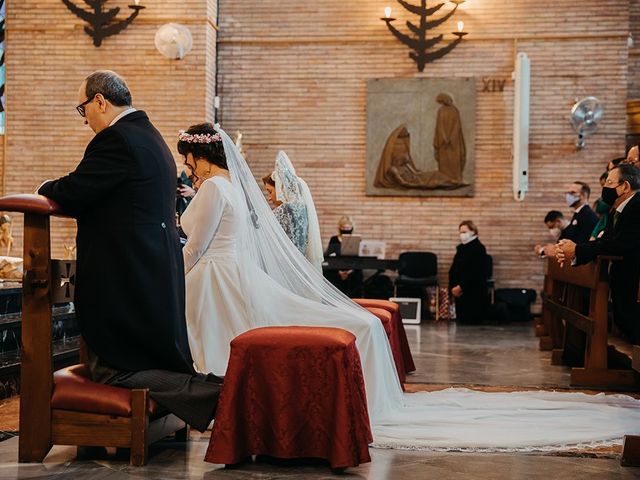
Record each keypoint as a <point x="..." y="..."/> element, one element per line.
<point x="269" y="245"/>
<point x="292" y="188"/>
<point x="457" y="419"/>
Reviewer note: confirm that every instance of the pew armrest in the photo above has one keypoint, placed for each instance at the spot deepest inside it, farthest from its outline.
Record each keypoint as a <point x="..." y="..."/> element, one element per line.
<point x="31" y="203"/>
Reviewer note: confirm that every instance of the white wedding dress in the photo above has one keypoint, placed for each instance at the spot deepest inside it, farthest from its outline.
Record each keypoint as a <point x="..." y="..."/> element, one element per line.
<point x="242" y="272"/>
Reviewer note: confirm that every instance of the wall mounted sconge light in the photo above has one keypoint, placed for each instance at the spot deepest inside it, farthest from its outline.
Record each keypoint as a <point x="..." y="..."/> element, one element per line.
<point x="103" y="24"/>
<point x="422" y="51"/>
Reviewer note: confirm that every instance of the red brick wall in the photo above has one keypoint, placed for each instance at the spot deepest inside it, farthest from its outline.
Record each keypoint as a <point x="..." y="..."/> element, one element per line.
<point x="48" y="56"/>
<point x="293" y="76"/>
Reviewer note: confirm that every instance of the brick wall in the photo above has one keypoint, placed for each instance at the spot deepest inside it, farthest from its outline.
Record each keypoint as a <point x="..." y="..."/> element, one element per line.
<point x="293" y="76"/>
<point x="48" y="55"/>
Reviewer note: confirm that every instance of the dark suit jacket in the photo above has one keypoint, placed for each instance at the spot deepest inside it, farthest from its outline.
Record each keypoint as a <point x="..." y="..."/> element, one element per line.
<point x="130" y="275"/>
<point x="622" y="240"/>
<point x="581" y="226"/>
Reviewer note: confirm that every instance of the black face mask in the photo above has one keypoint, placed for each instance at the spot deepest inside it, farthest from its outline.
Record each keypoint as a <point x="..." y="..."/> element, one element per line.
<point x="609" y="194"/>
<point x="344" y="231"/>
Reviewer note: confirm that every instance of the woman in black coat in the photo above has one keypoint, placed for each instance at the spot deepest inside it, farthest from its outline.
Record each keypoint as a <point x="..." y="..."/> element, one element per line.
<point x="468" y="276"/>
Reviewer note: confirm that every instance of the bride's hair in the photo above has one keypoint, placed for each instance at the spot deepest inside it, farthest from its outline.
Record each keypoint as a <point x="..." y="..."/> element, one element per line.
<point x="212" y="152"/>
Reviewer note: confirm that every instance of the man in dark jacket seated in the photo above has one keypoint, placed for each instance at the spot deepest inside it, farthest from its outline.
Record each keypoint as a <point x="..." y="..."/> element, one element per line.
<point x="130" y="275"/>
<point x="621" y="237"/>
<point x="584" y="219"/>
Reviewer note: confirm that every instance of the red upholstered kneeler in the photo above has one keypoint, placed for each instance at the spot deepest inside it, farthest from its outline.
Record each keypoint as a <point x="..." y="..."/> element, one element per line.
<point x="86" y="413"/>
<point x="293" y="392"/>
<point x="394" y="309"/>
<point x="75" y="391"/>
<point x="387" y="322"/>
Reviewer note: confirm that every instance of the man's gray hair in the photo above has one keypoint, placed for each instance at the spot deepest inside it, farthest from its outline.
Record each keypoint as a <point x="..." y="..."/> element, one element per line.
<point x="629" y="173"/>
<point x="111" y="85"/>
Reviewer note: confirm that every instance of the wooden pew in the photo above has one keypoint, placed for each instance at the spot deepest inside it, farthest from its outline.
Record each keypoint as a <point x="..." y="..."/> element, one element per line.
<point x="79" y="422"/>
<point x="566" y="291"/>
<point x="631" y="448"/>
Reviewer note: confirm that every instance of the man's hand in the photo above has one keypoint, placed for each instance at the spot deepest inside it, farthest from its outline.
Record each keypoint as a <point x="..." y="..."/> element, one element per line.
<point x="456" y="291"/>
<point x="548" y="250"/>
<point x="565" y="251"/>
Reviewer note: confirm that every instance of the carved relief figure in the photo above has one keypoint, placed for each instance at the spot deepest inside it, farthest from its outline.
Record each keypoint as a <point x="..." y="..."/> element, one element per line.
<point x="397" y="169"/>
<point x="6" y="239"/>
<point x="448" y="142"/>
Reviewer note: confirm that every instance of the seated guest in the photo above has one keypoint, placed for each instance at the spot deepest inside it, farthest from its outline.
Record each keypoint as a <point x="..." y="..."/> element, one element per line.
<point x="556" y="223"/>
<point x="621" y="238"/>
<point x="615" y="162"/>
<point x="633" y="156"/>
<point x="600" y="206"/>
<point x="348" y="282"/>
<point x="584" y="219"/>
<point x="130" y="298"/>
<point x="345" y="227"/>
<point x="468" y="276"/>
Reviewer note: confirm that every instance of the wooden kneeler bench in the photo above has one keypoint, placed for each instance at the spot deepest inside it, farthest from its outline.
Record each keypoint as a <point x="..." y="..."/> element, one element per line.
<point x="66" y="407"/>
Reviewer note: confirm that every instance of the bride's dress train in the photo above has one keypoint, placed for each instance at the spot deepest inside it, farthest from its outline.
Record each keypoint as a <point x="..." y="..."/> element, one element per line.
<point x="243" y="273"/>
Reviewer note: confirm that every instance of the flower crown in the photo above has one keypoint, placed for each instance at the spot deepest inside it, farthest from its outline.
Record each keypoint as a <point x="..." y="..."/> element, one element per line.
<point x="198" y="137"/>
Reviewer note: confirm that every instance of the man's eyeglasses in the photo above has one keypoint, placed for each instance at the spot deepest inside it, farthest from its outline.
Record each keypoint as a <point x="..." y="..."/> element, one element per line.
<point x="80" y="108"/>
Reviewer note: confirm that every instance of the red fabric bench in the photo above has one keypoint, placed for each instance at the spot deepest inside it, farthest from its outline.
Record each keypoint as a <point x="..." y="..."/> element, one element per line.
<point x="74" y="390"/>
<point x="394" y="309"/>
<point x="387" y="322"/>
<point x="293" y="392"/>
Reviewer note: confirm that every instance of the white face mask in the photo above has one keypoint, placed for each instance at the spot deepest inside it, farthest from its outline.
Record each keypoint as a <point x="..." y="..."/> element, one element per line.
<point x="467" y="237"/>
<point x="555" y="232"/>
<point x="570" y="198"/>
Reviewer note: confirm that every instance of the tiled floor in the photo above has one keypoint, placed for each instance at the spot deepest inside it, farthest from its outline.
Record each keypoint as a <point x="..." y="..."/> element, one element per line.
<point x="444" y="354"/>
<point x="447" y="353"/>
<point x="177" y="461"/>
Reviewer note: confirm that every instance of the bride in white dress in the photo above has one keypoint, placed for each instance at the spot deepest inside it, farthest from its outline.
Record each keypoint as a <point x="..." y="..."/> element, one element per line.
<point x="242" y="272"/>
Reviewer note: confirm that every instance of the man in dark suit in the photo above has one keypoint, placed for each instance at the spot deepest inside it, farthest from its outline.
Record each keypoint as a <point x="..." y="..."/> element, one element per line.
<point x="584" y="219"/>
<point x="621" y="237"/>
<point x="130" y="274"/>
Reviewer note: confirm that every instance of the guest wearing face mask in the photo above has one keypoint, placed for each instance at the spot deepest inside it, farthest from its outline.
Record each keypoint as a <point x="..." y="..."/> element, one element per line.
<point x="556" y="223"/>
<point x="468" y="276"/>
<point x="584" y="219"/>
<point x="621" y="238"/>
<point x="345" y="227"/>
<point x="349" y="282"/>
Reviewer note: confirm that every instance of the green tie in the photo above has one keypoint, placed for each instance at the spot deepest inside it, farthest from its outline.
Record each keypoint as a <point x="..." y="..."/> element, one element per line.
<point x="616" y="216"/>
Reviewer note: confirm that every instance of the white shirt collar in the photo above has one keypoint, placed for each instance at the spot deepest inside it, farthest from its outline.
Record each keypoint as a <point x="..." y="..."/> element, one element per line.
<point x="620" y="207"/>
<point x="579" y="208"/>
<point x="122" y="114"/>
